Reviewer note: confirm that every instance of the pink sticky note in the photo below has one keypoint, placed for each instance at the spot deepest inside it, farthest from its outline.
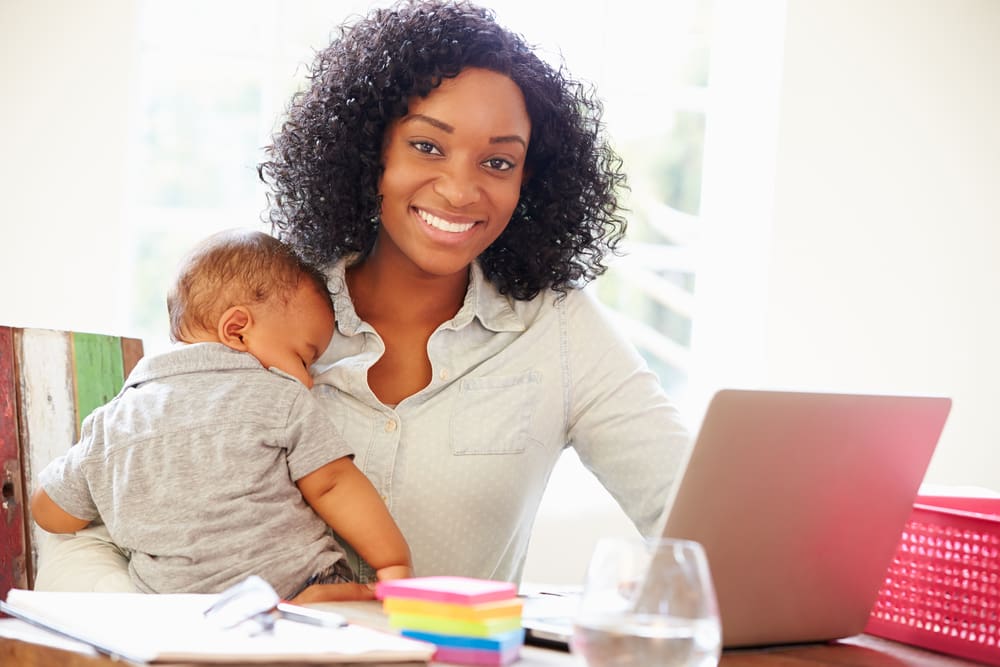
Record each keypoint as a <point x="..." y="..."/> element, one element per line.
<point x="457" y="590"/>
<point x="471" y="656"/>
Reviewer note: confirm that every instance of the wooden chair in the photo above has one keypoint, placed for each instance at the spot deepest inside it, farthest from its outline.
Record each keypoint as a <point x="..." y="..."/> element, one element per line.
<point x="49" y="381"/>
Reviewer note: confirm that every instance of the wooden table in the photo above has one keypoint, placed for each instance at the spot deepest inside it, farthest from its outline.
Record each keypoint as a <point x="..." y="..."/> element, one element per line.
<point x="860" y="651"/>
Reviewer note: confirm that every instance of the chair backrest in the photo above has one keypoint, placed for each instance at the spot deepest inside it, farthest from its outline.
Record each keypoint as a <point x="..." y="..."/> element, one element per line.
<point x="49" y="382"/>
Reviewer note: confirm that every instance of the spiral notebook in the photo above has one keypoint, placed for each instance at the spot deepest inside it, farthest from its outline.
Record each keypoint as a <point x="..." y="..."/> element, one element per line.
<point x="799" y="499"/>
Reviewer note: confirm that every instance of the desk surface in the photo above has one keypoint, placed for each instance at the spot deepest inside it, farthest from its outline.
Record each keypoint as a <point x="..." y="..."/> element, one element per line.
<point x="862" y="651"/>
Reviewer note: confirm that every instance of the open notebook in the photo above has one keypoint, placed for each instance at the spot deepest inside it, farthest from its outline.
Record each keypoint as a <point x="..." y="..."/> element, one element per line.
<point x="799" y="499"/>
<point x="173" y="628"/>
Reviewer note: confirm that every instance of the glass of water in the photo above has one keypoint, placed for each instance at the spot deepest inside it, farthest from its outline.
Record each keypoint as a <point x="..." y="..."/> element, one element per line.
<point x="648" y="602"/>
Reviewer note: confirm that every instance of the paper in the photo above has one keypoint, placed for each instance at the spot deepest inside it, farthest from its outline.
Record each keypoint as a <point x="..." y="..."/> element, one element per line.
<point x="172" y="628"/>
<point x="15" y="628"/>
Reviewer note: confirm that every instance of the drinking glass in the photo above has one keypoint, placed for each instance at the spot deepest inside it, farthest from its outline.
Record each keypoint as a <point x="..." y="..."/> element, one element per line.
<point x="648" y="602"/>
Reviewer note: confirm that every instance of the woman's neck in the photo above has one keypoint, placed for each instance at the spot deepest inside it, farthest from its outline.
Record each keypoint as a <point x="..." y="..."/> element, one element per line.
<point x="405" y="305"/>
<point x="385" y="289"/>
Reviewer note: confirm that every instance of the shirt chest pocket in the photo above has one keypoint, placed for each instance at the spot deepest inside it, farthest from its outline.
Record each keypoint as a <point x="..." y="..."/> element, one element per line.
<point x="493" y="415"/>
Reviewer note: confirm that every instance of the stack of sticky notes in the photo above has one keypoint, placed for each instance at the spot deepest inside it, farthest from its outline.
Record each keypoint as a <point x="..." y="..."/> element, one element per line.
<point x="471" y="621"/>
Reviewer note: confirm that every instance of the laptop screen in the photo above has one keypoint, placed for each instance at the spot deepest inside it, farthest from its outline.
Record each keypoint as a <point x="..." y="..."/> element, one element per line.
<point x="799" y="499"/>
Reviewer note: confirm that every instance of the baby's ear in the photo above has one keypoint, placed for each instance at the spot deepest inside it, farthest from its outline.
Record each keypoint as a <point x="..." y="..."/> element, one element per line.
<point x="233" y="325"/>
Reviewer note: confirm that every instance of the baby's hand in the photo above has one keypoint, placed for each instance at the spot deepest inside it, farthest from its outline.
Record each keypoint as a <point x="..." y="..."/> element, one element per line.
<point x="394" y="572"/>
<point x="335" y="593"/>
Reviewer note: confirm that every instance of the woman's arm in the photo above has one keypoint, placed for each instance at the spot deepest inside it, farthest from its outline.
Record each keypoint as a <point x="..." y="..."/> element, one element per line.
<point x="621" y="422"/>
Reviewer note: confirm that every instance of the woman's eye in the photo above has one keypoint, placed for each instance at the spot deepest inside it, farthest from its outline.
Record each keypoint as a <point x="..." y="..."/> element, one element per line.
<point x="499" y="164"/>
<point x="425" y="147"/>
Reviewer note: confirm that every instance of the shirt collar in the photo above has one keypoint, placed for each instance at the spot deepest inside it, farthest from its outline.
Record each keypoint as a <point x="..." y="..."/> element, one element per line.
<point x="482" y="301"/>
<point x="190" y="358"/>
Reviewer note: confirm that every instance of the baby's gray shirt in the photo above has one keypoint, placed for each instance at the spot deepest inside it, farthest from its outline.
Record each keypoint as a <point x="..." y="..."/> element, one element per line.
<point x="192" y="467"/>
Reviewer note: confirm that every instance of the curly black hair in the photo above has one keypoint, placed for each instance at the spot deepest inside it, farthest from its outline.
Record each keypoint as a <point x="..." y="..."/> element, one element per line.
<point x="325" y="162"/>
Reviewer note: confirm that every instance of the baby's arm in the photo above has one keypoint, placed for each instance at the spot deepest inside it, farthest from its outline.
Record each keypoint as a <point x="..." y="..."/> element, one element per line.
<point x="341" y="494"/>
<point x="52" y="518"/>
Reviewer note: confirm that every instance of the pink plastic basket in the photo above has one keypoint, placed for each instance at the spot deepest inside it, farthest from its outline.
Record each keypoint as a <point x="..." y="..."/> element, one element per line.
<point x="942" y="590"/>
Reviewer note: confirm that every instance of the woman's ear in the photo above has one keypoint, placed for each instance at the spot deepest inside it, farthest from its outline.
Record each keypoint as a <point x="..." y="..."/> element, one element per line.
<point x="233" y="326"/>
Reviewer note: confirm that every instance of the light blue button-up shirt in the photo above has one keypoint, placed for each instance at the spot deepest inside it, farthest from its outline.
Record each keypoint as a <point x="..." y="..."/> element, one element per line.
<point x="463" y="463"/>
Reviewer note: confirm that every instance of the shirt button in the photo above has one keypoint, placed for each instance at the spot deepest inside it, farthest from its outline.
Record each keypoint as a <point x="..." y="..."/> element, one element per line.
<point x="390" y="426"/>
<point x="444" y="374"/>
<point x="385" y="499"/>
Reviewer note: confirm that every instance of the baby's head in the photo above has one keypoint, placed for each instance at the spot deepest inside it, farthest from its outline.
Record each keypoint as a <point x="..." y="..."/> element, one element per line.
<point x="253" y="293"/>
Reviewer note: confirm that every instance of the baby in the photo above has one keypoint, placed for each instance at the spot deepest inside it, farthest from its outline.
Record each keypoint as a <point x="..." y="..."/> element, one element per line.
<point x="208" y="465"/>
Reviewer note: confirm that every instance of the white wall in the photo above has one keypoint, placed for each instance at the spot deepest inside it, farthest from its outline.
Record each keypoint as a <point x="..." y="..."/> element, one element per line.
<point x="64" y="86"/>
<point x="884" y="271"/>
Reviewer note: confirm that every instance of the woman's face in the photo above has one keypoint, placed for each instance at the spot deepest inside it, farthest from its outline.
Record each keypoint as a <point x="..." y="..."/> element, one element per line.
<point x="453" y="171"/>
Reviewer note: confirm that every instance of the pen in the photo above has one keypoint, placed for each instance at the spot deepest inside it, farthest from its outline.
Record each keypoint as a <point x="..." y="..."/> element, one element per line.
<point x="300" y="614"/>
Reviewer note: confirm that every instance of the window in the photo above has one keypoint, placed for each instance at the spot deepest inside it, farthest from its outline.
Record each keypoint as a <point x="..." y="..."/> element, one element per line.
<point x="211" y="82"/>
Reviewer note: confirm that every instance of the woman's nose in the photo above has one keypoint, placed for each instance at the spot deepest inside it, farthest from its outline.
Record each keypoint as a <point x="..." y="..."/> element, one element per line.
<point x="458" y="184"/>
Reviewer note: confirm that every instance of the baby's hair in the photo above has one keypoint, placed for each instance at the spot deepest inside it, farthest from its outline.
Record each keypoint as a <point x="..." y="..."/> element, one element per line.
<point x="229" y="268"/>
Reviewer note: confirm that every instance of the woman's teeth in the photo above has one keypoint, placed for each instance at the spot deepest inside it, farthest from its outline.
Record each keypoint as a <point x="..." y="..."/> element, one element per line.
<point x="444" y="225"/>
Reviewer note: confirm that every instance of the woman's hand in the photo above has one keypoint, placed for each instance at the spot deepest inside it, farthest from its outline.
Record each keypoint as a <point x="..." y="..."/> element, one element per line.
<point x="335" y="593"/>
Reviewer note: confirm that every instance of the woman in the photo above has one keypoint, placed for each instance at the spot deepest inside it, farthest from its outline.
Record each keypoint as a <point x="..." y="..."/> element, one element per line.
<point x="458" y="191"/>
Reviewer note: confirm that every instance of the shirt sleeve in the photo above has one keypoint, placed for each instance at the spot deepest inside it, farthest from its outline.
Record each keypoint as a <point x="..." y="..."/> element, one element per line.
<point x="313" y="439"/>
<point x="620" y="421"/>
<point x="64" y="479"/>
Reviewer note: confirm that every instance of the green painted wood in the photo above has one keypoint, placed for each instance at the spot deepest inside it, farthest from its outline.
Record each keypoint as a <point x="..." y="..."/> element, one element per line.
<point x="98" y="370"/>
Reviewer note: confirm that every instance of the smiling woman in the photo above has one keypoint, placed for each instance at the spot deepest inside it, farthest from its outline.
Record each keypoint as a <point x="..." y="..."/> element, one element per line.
<point x="164" y="149"/>
<point x="459" y="192"/>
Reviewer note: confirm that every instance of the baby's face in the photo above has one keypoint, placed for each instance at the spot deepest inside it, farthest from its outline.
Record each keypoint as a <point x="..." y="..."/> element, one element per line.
<point x="292" y="336"/>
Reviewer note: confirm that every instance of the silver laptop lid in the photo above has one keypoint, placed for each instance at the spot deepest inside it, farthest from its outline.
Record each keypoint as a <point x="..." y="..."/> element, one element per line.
<point x="799" y="500"/>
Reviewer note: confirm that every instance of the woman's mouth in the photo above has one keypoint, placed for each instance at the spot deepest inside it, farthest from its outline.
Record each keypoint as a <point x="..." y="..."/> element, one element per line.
<point x="442" y="224"/>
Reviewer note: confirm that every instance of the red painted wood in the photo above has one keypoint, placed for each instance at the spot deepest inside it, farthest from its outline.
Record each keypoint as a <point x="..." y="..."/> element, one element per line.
<point x="12" y="544"/>
<point x="131" y="354"/>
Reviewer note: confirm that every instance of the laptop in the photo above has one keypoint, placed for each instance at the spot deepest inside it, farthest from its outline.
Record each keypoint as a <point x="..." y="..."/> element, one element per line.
<point x="799" y="499"/>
